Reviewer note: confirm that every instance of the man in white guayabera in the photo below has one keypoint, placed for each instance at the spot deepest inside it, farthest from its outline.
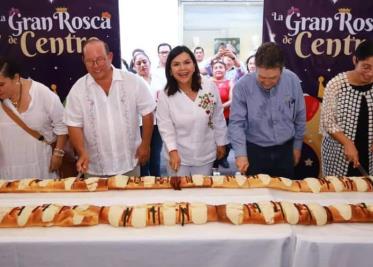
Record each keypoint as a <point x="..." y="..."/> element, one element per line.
<point x="102" y="111"/>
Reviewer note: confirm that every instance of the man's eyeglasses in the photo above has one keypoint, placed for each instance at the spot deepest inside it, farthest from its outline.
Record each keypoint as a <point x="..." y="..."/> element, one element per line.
<point x="98" y="61"/>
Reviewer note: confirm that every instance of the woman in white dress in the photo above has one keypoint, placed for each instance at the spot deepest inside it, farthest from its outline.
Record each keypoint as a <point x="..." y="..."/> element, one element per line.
<point x="142" y="66"/>
<point x="21" y="154"/>
<point x="190" y="117"/>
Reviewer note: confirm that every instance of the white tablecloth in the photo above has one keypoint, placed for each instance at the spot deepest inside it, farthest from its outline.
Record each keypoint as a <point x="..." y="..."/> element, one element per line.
<point x="212" y="244"/>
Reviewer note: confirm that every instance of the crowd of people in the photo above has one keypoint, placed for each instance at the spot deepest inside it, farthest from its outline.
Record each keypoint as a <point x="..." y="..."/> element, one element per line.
<point x="197" y="109"/>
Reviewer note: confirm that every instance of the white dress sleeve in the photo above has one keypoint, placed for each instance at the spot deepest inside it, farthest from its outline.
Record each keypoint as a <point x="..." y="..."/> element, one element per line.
<point x="165" y="125"/>
<point x="55" y="113"/>
<point x="45" y="113"/>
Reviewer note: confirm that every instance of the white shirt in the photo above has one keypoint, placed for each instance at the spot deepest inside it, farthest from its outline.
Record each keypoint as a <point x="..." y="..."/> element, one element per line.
<point x="159" y="77"/>
<point x="21" y="155"/>
<point x="202" y="66"/>
<point x="184" y="125"/>
<point x="156" y="85"/>
<point x="110" y="122"/>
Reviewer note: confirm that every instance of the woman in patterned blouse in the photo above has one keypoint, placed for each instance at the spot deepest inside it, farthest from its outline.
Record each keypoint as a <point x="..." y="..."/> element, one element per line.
<point x="347" y="118"/>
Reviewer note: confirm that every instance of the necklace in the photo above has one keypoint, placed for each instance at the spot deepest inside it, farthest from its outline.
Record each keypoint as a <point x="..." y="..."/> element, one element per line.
<point x="17" y="102"/>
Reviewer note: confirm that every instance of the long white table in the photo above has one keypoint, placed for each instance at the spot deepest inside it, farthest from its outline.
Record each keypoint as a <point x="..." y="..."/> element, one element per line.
<point x="212" y="244"/>
<point x="342" y="245"/>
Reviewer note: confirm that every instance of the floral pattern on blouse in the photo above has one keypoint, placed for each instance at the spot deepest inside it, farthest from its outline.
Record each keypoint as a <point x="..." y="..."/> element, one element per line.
<point x="206" y="102"/>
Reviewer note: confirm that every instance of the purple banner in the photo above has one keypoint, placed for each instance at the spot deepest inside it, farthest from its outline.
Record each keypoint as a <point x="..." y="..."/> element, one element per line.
<point x="46" y="36"/>
<point x="318" y="38"/>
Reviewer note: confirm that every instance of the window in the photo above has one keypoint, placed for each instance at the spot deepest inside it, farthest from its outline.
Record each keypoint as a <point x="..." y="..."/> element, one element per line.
<point x="204" y="23"/>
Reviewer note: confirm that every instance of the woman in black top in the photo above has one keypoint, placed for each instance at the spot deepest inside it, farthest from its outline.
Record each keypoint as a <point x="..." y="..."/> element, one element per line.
<point x="347" y="118"/>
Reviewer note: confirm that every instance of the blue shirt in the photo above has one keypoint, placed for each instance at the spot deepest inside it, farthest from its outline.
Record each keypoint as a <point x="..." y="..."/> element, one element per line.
<point x="267" y="117"/>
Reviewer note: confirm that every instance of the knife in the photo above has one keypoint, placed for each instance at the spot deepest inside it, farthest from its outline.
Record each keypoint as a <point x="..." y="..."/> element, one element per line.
<point x="80" y="174"/>
<point x="362" y="171"/>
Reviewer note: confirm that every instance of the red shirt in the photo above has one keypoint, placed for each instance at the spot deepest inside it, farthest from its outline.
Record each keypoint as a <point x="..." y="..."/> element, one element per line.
<point x="224" y="89"/>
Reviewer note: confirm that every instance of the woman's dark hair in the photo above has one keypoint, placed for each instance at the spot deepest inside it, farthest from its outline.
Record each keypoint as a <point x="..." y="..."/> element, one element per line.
<point x="132" y="62"/>
<point x="125" y="64"/>
<point x="9" y="68"/>
<point x="247" y="62"/>
<point x="140" y="53"/>
<point x="137" y="50"/>
<point x="269" y="55"/>
<point x="364" y="50"/>
<point x="172" y="86"/>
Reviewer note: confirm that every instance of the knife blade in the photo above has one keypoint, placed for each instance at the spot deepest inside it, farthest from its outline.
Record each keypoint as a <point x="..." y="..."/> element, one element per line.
<point x="80" y="174"/>
<point x="362" y="171"/>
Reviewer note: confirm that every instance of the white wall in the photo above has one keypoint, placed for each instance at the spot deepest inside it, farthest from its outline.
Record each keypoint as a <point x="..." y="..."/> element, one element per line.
<point x="144" y="24"/>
